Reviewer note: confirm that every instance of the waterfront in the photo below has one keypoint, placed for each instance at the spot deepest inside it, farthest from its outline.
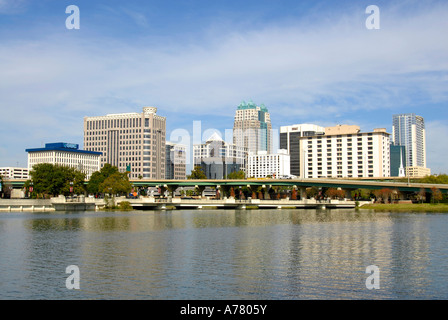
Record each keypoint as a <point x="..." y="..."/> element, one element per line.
<point x="223" y="254"/>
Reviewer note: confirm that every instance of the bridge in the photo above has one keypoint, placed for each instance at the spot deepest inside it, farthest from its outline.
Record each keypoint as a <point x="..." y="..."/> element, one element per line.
<point x="299" y="184"/>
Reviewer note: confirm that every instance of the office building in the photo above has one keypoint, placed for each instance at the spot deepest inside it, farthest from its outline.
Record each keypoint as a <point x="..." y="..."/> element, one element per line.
<point x="175" y="167"/>
<point x="218" y="158"/>
<point x="345" y="152"/>
<point x="252" y="128"/>
<point x="65" y="154"/>
<point x="14" y="172"/>
<point x="397" y="161"/>
<point x="289" y="140"/>
<point x="133" y="142"/>
<point x="408" y="130"/>
<point x="264" y="165"/>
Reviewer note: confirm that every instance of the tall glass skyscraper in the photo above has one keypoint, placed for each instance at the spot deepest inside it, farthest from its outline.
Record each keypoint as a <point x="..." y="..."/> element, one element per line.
<point x="408" y="130"/>
<point x="252" y="128"/>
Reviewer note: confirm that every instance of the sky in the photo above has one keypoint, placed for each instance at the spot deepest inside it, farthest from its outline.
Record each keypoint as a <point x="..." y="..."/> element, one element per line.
<point x="195" y="60"/>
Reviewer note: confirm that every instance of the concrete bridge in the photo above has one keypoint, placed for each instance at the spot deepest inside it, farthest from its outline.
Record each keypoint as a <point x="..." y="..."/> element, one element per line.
<point x="62" y="203"/>
<point x="404" y="189"/>
<point x="346" y="184"/>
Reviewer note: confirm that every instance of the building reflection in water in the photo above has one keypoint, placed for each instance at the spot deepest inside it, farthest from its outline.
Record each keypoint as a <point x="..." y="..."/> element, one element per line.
<point x="222" y="254"/>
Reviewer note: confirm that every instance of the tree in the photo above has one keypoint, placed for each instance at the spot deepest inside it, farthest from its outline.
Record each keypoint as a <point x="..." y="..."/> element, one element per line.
<point x="98" y="177"/>
<point x="197" y="174"/>
<point x="334" y="193"/>
<point x="383" y="194"/>
<point x="312" y="192"/>
<point x="421" y="195"/>
<point x="436" y="194"/>
<point x="236" y="175"/>
<point x="49" y="179"/>
<point x="117" y="183"/>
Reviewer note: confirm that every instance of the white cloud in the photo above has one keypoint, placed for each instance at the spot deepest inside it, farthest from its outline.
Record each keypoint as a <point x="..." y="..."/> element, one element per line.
<point x="12" y="6"/>
<point x="327" y="71"/>
<point x="436" y="131"/>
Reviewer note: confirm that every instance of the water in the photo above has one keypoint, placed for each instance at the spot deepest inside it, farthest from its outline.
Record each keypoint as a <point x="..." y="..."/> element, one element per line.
<point x="223" y="254"/>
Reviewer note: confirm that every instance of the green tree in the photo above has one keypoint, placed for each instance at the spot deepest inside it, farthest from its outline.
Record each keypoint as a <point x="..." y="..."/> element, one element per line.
<point x="236" y="175"/>
<point x="436" y="194"/>
<point x="197" y="174"/>
<point x="98" y="177"/>
<point x="117" y="183"/>
<point x="53" y="180"/>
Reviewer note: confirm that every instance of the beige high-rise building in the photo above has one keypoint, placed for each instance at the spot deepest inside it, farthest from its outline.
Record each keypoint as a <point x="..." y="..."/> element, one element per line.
<point x="345" y="152"/>
<point x="132" y="142"/>
<point x="252" y="128"/>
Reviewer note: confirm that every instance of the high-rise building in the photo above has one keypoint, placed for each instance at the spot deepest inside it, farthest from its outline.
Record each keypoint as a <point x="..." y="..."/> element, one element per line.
<point x="218" y="158"/>
<point x="133" y="142"/>
<point x="65" y="154"/>
<point x="252" y="128"/>
<point x="345" y="152"/>
<point x="397" y="161"/>
<point x="289" y="140"/>
<point x="263" y="165"/>
<point x="175" y="167"/>
<point x="408" y="130"/>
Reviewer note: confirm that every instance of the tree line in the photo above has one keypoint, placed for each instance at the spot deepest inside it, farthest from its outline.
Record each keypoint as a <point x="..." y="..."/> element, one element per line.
<point x="50" y="180"/>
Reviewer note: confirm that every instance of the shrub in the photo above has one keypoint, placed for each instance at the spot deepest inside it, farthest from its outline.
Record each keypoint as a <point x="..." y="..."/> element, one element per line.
<point x="125" y="205"/>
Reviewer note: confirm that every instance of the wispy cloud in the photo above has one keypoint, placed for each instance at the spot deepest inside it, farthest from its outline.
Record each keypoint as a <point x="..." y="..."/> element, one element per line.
<point x="12" y="6"/>
<point x="330" y="70"/>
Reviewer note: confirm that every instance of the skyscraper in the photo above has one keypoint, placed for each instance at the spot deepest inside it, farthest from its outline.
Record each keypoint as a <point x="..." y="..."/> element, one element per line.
<point x="408" y="130"/>
<point x="175" y="167"/>
<point x="289" y="140"/>
<point x="132" y="142"/>
<point x="218" y="158"/>
<point x="252" y="128"/>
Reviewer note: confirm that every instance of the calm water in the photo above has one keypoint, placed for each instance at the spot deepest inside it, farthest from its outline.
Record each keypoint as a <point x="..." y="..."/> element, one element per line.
<point x="224" y="254"/>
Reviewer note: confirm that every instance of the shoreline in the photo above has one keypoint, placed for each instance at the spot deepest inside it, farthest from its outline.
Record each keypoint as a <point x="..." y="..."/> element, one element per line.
<point x="407" y="207"/>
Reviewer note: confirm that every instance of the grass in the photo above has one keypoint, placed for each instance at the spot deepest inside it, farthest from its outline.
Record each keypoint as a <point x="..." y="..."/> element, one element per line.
<point x="407" y="207"/>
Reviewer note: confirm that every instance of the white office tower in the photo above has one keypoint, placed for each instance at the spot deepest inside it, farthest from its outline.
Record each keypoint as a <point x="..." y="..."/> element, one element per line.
<point x="409" y="130"/>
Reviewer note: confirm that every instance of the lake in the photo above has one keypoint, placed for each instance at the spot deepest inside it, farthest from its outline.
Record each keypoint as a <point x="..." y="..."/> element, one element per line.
<point x="285" y="254"/>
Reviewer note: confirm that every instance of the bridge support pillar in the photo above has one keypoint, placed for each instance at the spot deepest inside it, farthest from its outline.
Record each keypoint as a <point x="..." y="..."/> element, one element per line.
<point x="348" y="193"/>
<point x="302" y="193"/>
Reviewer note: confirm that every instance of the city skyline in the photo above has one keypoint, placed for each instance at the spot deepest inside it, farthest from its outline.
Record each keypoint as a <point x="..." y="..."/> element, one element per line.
<point x="313" y="61"/>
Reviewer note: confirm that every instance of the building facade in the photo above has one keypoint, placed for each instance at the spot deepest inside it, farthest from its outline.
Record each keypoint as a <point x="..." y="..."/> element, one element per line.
<point x="252" y="128"/>
<point x="176" y="159"/>
<point x="65" y="154"/>
<point x="218" y="158"/>
<point x="289" y="141"/>
<point x="14" y="172"/>
<point x="408" y="130"/>
<point x="263" y="165"/>
<point x="133" y="142"/>
<point x="397" y="161"/>
<point x="345" y="152"/>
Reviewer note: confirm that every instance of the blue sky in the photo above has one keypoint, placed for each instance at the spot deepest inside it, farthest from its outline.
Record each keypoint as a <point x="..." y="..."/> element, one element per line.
<point x="307" y="61"/>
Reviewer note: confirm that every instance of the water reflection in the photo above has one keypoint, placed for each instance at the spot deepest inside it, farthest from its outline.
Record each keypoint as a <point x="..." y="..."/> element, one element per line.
<point x="223" y="254"/>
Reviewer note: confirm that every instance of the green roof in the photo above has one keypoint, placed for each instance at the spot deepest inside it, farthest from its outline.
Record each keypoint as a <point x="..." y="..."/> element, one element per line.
<point x="251" y="105"/>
